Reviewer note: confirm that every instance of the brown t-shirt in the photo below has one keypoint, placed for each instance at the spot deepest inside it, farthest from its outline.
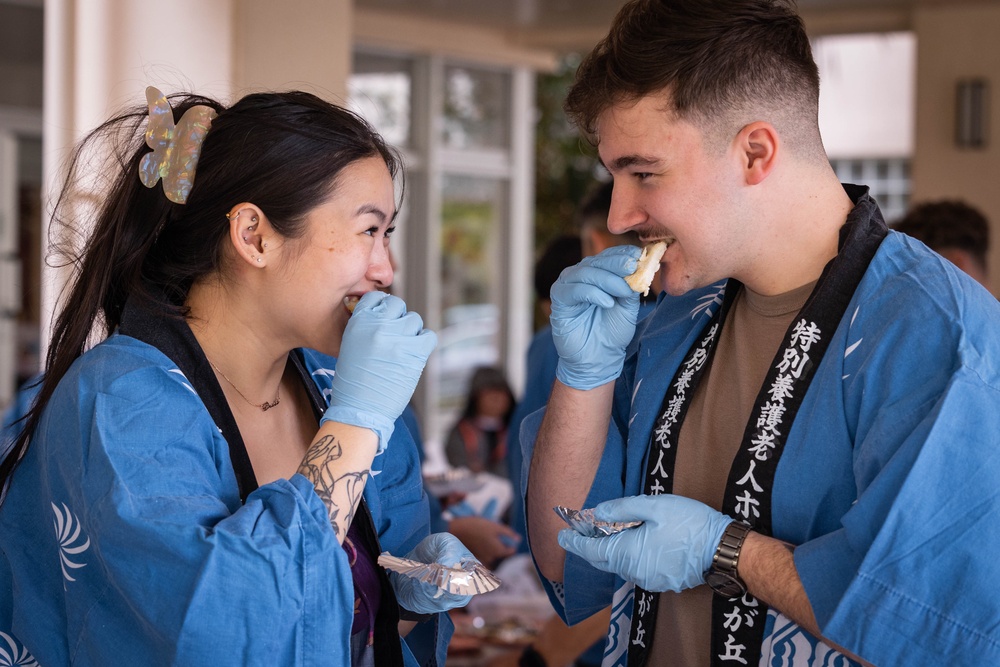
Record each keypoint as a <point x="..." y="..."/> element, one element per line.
<point x="709" y="440"/>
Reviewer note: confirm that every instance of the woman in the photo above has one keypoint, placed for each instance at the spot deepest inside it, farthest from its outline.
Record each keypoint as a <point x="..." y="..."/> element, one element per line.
<point x="478" y="441"/>
<point x="208" y="476"/>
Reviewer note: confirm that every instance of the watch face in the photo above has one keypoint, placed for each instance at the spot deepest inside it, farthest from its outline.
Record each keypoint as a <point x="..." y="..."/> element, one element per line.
<point x="725" y="584"/>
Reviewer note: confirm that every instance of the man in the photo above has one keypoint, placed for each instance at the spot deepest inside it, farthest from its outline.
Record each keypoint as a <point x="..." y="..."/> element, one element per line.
<point x="807" y="420"/>
<point x="958" y="232"/>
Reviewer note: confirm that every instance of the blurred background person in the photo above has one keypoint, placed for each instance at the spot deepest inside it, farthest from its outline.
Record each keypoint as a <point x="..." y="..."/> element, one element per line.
<point x="562" y="252"/>
<point x="557" y="643"/>
<point x="478" y="440"/>
<point x="955" y="230"/>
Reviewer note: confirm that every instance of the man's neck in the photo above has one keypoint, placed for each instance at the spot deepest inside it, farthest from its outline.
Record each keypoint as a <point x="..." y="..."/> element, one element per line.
<point x="803" y="238"/>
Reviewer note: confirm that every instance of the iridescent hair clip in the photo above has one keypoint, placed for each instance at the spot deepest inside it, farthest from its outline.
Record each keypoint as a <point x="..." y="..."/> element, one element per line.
<point x="176" y="148"/>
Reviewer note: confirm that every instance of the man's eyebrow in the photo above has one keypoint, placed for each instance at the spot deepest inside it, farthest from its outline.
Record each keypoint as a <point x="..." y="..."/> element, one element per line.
<point x="627" y="161"/>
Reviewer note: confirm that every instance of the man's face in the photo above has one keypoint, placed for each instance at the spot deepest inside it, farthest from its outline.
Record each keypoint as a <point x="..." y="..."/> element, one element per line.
<point x="669" y="185"/>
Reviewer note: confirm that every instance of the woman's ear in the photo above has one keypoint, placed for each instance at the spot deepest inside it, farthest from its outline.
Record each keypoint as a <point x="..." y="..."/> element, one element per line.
<point x="249" y="230"/>
<point x="759" y="144"/>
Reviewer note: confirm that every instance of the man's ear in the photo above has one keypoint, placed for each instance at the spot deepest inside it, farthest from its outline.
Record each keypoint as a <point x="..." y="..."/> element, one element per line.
<point x="758" y="144"/>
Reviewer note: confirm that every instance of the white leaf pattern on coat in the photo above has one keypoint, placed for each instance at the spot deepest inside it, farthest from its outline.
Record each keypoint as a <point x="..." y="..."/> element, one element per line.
<point x="13" y="654"/>
<point x="67" y="534"/>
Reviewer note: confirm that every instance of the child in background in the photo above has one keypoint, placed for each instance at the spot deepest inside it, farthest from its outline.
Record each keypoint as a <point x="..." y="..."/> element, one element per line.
<point x="479" y="440"/>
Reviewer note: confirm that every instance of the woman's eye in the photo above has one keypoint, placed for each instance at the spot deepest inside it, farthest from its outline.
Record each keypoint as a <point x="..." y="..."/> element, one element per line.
<point x="389" y="232"/>
<point x="371" y="231"/>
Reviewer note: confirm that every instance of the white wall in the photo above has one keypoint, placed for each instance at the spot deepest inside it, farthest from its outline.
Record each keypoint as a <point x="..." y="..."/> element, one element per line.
<point x="867" y="94"/>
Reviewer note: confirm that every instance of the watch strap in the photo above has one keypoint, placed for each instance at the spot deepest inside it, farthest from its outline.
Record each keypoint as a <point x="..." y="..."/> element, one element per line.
<point x="727" y="554"/>
<point x="723" y="576"/>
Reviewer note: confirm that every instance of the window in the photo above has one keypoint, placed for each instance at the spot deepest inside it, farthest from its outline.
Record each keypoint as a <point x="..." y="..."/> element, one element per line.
<point x="464" y="247"/>
<point x="889" y="180"/>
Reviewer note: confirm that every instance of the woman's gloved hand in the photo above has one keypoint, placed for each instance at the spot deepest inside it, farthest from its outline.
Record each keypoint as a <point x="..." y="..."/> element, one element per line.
<point x="424" y="598"/>
<point x="594" y="312"/>
<point x="382" y="355"/>
<point x="670" y="551"/>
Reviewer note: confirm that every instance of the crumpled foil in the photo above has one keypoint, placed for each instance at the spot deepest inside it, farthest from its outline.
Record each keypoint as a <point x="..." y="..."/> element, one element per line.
<point x="583" y="522"/>
<point x="469" y="577"/>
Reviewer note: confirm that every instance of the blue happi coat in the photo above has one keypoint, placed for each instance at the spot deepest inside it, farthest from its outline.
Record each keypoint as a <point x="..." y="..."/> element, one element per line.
<point x="124" y="540"/>
<point x="889" y="483"/>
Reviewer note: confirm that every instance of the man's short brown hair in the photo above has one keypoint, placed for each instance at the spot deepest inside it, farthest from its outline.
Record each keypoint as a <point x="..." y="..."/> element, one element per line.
<point x="722" y="62"/>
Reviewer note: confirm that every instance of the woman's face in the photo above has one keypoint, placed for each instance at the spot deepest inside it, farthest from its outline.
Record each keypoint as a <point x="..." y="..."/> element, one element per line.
<point x="492" y="402"/>
<point x="343" y="254"/>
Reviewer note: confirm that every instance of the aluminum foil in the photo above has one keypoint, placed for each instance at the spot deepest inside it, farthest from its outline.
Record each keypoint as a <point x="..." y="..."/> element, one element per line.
<point x="469" y="577"/>
<point x="583" y="522"/>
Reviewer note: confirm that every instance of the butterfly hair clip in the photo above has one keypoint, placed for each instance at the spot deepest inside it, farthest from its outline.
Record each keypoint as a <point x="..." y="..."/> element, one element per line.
<point x="176" y="147"/>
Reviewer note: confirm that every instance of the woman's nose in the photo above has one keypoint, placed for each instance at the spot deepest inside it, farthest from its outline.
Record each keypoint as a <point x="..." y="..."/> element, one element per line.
<point x="380" y="269"/>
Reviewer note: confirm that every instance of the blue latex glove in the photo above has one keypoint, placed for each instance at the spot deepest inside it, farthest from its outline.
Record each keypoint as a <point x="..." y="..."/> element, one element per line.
<point x="421" y="597"/>
<point x="671" y="551"/>
<point x="593" y="317"/>
<point x="382" y="355"/>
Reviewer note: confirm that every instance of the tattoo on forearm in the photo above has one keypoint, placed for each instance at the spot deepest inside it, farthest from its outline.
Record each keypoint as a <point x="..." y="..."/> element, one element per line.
<point x="340" y="494"/>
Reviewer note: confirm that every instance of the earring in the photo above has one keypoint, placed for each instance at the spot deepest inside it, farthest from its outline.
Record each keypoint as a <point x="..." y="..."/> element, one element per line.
<point x="246" y="240"/>
<point x="265" y="244"/>
<point x="258" y="259"/>
<point x="230" y="216"/>
<point x="253" y="219"/>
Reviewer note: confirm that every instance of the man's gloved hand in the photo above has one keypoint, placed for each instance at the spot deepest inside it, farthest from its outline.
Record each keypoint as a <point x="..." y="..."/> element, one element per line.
<point x="593" y="318"/>
<point x="421" y="597"/>
<point x="382" y="355"/>
<point x="670" y="551"/>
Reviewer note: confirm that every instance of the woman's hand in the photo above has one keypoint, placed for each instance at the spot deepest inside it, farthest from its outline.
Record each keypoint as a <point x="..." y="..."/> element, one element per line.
<point x="424" y="598"/>
<point x="381" y="358"/>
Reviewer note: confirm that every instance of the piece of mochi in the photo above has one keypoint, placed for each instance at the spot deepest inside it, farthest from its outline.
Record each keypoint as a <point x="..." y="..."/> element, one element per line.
<point x="649" y="262"/>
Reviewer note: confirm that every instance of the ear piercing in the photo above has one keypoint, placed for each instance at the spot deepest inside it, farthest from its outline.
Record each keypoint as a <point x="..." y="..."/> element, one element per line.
<point x="230" y="216"/>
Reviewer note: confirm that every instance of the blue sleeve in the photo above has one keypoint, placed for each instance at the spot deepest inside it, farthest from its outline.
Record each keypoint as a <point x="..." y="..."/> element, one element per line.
<point x="405" y="518"/>
<point x="402" y="515"/>
<point x="541" y="373"/>
<point x="915" y="556"/>
<point x="155" y="561"/>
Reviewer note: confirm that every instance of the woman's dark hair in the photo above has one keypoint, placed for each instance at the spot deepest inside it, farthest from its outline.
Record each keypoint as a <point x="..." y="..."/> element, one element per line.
<point x="280" y="151"/>
<point x="483" y="378"/>
<point x="717" y="58"/>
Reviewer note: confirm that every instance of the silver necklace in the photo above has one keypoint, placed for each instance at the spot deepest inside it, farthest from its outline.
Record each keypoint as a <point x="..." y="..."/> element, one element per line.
<point x="265" y="406"/>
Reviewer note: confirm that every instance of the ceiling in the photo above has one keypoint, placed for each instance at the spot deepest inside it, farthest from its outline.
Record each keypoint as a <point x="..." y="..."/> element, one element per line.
<point x="573" y="24"/>
<point x="557" y="25"/>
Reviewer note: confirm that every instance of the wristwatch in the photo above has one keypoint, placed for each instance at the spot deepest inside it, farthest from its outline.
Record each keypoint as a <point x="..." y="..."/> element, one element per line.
<point x="723" y="576"/>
